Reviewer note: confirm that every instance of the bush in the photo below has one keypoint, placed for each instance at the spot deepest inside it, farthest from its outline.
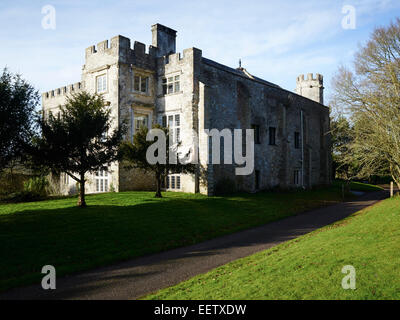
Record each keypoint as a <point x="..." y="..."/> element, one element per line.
<point x="225" y="186"/>
<point x="37" y="186"/>
<point x="22" y="196"/>
<point x="12" y="182"/>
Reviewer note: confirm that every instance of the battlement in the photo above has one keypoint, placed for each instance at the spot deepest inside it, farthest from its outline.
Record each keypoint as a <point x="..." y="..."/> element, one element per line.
<point x="121" y="45"/>
<point x="176" y="58"/>
<point x="310" y="77"/>
<point x="311" y="88"/>
<point x="72" y="88"/>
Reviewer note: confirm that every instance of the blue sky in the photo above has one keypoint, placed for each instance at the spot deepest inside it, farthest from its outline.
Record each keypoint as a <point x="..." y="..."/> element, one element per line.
<point x="276" y="39"/>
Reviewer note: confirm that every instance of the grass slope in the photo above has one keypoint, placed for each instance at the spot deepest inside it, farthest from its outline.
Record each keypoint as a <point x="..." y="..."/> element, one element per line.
<point x="310" y="267"/>
<point x="118" y="226"/>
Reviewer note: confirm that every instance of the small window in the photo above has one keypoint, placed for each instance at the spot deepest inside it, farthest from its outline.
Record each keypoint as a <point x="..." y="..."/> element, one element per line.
<point x="171" y="85"/>
<point x="257" y="179"/>
<point x="140" y="121"/>
<point x="143" y="84"/>
<point x="173" y="122"/>
<point x="173" y="182"/>
<point x="170" y="88"/>
<point x="164" y="86"/>
<point x="102" y="83"/>
<point x="136" y="83"/>
<point x="296" y="178"/>
<point x="256" y="129"/>
<point x="297" y="140"/>
<point x="140" y="83"/>
<point x="177" y="84"/>
<point x="101" y="180"/>
<point x="66" y="178"/>
<point x="272" y="134"/>
<point x="170" y="121"/>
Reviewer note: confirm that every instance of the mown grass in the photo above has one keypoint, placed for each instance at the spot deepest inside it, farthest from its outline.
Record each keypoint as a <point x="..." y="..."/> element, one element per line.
<point x="119" y="226"/>
<point x="310" y="267"/>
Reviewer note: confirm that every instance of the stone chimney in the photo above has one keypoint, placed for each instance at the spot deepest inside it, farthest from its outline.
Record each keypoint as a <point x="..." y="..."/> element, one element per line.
<point x="164" y="39"/>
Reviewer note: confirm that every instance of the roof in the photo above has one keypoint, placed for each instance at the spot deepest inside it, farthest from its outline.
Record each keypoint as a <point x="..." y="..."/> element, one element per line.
<point x="242" y="72"/>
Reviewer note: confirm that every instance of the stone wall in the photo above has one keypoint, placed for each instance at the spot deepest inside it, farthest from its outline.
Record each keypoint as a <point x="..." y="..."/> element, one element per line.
<point x="235" y="100"/>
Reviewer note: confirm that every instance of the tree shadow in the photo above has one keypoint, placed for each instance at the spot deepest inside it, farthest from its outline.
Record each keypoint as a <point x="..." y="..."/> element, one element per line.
<point x="156" y="242"/>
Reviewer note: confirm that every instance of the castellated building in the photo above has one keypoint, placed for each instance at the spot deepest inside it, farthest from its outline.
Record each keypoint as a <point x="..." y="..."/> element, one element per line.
<point x="190" y="93"/>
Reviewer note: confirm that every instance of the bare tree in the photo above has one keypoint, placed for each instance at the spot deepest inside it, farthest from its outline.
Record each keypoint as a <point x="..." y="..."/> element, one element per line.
<point x="369" y="93"/>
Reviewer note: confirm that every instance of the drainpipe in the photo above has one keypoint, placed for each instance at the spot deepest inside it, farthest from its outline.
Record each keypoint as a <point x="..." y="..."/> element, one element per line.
<point x="302" y="148"/>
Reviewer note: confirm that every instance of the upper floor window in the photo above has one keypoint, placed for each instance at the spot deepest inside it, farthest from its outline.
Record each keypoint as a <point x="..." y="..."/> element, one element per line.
<point x="272" y="136"/>
<point x="297" y="140"/>
<point x="140" y="83"/>
<point x="256" y="129"/>
<point x="171" y="85"/>
<point x="173" y="122"/>
<point x="101" y="83"/>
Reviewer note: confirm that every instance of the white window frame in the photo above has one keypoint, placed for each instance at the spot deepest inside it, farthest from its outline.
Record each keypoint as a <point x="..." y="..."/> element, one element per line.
<point x="102" y="180"/>
<point x="172" y="82"/>
<point x="173" y="122"/>
<point x="141" y="77"/>
<point x="173" y="182"/>
<point x="142" y="120"/>
<point x="65" y="179"/>
<point x="101" y="87"/>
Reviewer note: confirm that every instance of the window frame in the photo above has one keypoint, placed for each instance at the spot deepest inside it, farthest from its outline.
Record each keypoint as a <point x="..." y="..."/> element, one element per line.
<point x="101" y="180"/>
<point x="257" y="135"/>
<point x="297" y="140"/>
<point x="140" y="77"/>
<point x="171" y="84"/>
<point x="173" y="182"/>
<point x="173" y="122"/>
<point x="272" y="136"/>
<point x="104" y="84"/>
<point x="296" y="177"/>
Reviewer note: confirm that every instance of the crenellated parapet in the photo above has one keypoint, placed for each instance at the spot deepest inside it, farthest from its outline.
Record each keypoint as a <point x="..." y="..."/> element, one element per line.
<point x="310" y="77"/>
<point x="63" y="91"/>
<point x="311" y="87"/>
<point x="119" y="48"/>
<point x="173" y="59"/>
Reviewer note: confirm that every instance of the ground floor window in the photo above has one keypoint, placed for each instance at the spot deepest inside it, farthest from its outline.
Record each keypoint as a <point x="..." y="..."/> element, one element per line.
<point x="257" y="179"/>
<point x="173" y="182"/>
<point x="296" y="178"/>
<point x="65" y="178"/>
<point x="102" y="180"/>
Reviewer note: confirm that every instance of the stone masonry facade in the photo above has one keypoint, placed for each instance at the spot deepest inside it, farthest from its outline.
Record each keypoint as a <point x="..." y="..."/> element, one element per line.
<point x="190" y="93"/>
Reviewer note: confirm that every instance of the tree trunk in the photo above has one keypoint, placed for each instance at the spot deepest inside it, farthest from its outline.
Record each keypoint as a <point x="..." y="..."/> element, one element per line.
<point x="158" y="185"/>
<point x="81" y="199"/>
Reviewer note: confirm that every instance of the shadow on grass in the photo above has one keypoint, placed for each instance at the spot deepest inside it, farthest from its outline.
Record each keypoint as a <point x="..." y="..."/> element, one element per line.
<point x="72" y="239"/>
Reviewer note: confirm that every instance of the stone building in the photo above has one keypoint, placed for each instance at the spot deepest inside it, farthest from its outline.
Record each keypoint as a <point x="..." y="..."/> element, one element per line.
<point x="190" y="93"/>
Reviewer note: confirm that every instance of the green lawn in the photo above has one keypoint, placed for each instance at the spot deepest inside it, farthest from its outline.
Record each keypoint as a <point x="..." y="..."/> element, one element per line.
<point x="118" y="226"/>
<point x="310" y="267"/>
